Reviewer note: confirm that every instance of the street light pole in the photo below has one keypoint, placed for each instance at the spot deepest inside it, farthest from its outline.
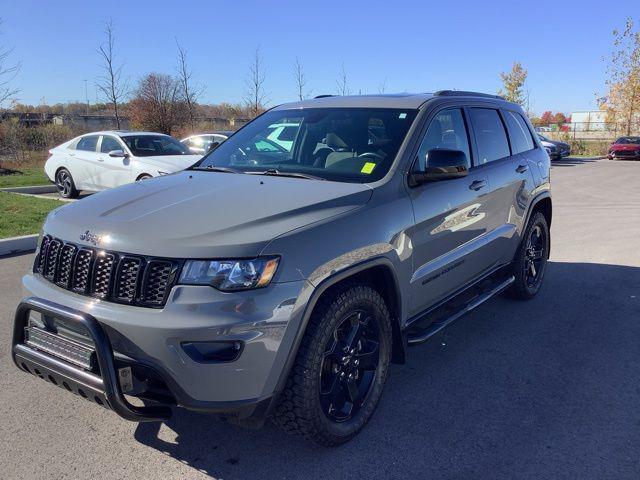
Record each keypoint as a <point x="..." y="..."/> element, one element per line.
<point x="86" y="95"/>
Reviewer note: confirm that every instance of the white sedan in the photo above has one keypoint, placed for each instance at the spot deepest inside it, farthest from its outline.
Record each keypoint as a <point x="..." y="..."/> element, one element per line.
<point x="101" y="160"/>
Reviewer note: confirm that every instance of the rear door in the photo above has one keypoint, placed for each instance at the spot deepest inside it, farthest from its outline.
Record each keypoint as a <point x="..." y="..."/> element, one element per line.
<point x="113" y="171"/>
<point x="504" y="159"/>
<point x="84" y="163"/>
<point x="450" y="217"/>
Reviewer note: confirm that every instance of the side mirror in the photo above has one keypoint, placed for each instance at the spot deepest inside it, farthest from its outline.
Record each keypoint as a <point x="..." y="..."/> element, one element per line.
<point x="117" y="153"/>
<point x="441" y="165"/>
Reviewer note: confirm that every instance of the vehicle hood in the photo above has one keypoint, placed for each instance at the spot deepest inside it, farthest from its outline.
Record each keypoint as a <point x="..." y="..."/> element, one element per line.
<point x="618" y="147"/>
<point x="169" y="163"/>
<point x="202" y="214"/>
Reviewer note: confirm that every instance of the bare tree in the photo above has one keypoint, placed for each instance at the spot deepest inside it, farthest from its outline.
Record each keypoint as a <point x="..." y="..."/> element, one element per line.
<point x="301" y="79"/>
<point x="189" y="90"/>
<point x="158" y="104"/>
<point x="7" y="73"/>
<point x="113" y="88"/>
<point x="255" y="96"/>
<point x="383" y="86"/>
<point x="342" y="82"/>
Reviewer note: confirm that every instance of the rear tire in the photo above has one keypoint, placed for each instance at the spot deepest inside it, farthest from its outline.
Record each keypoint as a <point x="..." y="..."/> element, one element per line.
<point x="530" y="261"/>
<point x="65" y="184"/>
<point x="340" y="369"/>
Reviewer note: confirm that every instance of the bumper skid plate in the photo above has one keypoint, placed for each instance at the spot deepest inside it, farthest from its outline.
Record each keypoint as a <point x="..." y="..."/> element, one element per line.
<point x="33" y="351"/>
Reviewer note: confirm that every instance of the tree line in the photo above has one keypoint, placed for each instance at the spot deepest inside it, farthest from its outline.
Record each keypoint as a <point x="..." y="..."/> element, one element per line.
<point x="163" y="102"/>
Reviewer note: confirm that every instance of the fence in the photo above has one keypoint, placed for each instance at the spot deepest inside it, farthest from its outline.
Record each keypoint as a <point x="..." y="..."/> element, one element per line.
<point x="589" y="130"/>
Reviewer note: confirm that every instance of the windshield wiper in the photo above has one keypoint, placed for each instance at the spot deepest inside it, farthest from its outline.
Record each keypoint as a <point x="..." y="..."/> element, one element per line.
<point x="277" y="173"/>
<point x="211" y="168"/>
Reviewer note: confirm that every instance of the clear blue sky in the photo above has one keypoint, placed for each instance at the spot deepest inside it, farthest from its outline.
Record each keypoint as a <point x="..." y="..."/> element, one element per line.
<point x="414" y="45"/>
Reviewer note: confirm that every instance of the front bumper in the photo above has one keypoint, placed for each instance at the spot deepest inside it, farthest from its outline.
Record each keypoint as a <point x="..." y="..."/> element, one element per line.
<point x="104" y="389"/>
<point x="153" y="339"/>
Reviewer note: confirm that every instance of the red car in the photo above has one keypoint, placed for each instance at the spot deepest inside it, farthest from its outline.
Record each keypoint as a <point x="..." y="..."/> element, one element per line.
<point x="625" y="148"/>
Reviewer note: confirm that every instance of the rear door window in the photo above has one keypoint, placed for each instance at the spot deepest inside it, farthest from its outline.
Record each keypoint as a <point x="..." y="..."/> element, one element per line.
<point x="521" y="140"/>
<point x="88" y="144"/>
<point x="490" y="134"/>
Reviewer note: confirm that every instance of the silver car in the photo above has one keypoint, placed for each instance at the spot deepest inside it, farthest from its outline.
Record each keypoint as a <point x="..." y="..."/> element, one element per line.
<point x="278" y="281"/>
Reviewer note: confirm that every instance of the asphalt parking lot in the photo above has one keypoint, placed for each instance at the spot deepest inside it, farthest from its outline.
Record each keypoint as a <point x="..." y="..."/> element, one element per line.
<point x="541" y="389"/>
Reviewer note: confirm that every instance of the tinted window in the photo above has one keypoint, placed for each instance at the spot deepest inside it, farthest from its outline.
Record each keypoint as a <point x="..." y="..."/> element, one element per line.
<point x="331" y="143"/>
<point x="627" y="140"/>
<point x="288" y="134"/>
<point x="153" y="145"/>
<point x="446" y="131"/>
<point x="519" y="133"/>
<point x="109" y="144"/>
<point x="88" y="143"/>
<point x="490" y="135"/>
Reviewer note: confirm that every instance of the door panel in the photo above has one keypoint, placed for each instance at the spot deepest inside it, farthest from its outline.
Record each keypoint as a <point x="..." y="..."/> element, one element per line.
<point x="451" y="218"/>
<point x="449" y="238"/>
<point x="112" y="171"/>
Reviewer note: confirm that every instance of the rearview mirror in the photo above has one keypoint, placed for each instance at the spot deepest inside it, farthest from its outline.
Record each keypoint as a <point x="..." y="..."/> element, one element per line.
<point x="117" y="153"/>
<point x="441" y="165"/>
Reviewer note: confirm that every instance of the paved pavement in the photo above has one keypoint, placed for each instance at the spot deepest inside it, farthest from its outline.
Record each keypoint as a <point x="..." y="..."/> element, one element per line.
<point x="541" y="389"/>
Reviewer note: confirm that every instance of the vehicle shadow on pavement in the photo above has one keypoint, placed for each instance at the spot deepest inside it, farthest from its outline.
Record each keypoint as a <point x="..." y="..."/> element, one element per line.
<point x="538" y="389"/>
<point x="573" y="161"/>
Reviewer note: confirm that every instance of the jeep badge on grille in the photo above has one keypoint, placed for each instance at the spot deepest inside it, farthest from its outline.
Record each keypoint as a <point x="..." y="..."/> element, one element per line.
<point x="91" y="238"/>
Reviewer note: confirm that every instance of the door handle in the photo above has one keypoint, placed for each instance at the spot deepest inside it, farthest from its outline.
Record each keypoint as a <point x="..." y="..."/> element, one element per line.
<point x="478" y="184"/>
<point x="522" y="168"/>
<point x="100" y="159"/>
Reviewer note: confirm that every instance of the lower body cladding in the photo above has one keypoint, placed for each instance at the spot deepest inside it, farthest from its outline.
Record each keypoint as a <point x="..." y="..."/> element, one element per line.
<point x="204" y="350"/>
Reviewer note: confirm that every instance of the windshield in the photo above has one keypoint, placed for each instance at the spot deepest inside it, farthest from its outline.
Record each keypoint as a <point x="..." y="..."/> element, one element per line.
<point x="154" y="145"/>
<point x="339" y="144"/>
<point x="627" y="140"/>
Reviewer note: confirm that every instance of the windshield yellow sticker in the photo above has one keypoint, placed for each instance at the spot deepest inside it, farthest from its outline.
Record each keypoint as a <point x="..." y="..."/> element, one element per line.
<point x="368" y="167"/>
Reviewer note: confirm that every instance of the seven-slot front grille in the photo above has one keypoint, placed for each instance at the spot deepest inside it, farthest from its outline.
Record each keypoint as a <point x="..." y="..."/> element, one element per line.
<point x="111" y="276"/>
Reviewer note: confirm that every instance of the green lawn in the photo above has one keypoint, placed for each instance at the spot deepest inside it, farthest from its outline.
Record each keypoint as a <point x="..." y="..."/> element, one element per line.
<point x="23" y="215"/>
<point x="28" y="176"/>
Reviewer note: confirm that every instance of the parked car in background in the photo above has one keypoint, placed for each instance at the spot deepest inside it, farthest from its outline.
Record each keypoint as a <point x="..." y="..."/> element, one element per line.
<point x="100" y="160"/>
<point x="203" y="142"/>
<point x="556" y="149"/>
<point x="625" y="148"/>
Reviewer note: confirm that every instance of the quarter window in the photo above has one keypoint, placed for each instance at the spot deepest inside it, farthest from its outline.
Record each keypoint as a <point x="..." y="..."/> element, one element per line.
<point x="490" y="135"/>
<point x="447" y="131"/>
<point x="88" y="144"/>
<point x="109" y="144"/>
<point x="519" y="133"/>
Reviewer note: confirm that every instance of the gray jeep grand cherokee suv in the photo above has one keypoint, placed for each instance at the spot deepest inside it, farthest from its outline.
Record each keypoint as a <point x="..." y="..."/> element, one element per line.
<point x="279" y="281"/>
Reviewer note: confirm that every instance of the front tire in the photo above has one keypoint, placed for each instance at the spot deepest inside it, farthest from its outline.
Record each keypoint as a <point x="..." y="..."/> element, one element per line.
<point x="340" y="369"/>
<point x="65" y="184"/>
<point x="530" y="261"/>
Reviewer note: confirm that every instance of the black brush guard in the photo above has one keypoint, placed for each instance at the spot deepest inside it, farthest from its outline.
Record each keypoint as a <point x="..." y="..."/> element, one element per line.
<point x="104" y="389"/>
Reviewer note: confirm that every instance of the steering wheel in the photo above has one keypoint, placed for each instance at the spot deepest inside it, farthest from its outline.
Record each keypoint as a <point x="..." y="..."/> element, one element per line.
<point x="372" y="154"/>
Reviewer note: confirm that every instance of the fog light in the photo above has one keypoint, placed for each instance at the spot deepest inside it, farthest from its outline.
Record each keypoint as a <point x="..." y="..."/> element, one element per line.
<point x="213" y="352"/>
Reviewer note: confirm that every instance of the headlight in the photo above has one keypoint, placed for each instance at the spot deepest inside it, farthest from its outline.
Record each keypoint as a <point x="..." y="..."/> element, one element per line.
<point x="230" y="275"/>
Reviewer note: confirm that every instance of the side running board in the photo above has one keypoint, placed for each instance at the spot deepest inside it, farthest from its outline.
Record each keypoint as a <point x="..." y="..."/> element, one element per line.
<point x="421" y="336"/>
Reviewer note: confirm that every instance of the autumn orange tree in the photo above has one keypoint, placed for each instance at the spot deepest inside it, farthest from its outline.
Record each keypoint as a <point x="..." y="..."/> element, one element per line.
<point x="622" y="101"/>
<point x="513" y="84"/>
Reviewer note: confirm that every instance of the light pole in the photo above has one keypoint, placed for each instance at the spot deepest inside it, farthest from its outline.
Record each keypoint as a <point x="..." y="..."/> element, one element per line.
<point x="86" y="96"/>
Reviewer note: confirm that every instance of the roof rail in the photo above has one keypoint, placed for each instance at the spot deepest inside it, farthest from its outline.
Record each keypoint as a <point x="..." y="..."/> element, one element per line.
<point x="324" y="96"/>
<point x="462" y="93"/>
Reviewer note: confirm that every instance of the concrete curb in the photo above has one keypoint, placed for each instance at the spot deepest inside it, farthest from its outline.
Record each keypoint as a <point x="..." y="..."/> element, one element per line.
<point x="26" y="243"/>
<point x="35" y="189"/>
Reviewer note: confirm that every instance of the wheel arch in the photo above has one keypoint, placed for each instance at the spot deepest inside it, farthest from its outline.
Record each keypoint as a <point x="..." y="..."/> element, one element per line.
<point x="542" y="203"/>
<point x="380" y="275"/>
